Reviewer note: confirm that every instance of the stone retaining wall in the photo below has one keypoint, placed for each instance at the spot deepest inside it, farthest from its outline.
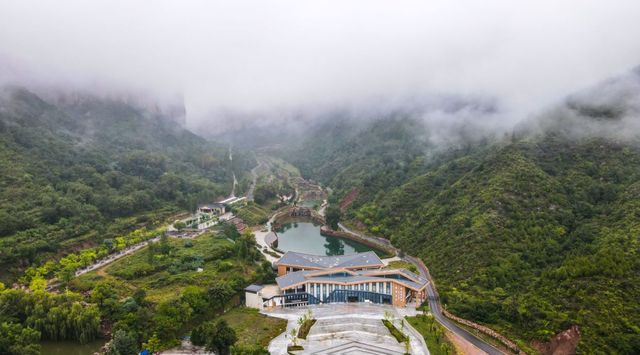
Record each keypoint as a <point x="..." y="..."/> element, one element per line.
<point x="295" y="213"/>
<point x="490" y="332"/>
<point x="327" y="231"/>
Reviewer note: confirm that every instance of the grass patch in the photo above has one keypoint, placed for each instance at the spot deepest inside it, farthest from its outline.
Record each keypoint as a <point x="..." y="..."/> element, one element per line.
<point x="305" y="328"/>
<point x="401" y="264"/>
<point x="433" y="333"/>
<point x="251" y="327"/>
<point x="400" y="337"/>
<point x="165" y="276"/>
<point x="253" y="214"/>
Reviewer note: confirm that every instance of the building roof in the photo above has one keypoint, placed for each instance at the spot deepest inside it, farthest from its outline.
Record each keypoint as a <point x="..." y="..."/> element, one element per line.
<point x="401" y="276"/>
<point x="253" y="288"/>
<point x="404" y="272"/>
<point x="211" y="205"/>
<point x="369" y="258"/>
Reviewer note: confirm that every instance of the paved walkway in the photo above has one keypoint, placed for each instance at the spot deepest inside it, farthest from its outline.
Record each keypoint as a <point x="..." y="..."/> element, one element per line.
<point x="347" y="328"/>
<point x="134" y="248"/>
<point x="260" y="234"/>
<point x="113" y="257"/>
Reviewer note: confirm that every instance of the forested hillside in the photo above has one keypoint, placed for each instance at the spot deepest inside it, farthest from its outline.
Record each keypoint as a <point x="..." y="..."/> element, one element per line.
<point x="531" y="238"/>
<point x="78" y="169"/>
<point x="530" y="234"/>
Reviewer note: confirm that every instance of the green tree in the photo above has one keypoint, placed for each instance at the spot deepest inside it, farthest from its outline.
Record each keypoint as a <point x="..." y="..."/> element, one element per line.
<point x="218" y="294"/>
<point x="123" y="343"/>
<point x="139" y="296"/>
<point x="153" y="344"/>
<point x="196" y="298"/>
<point x="180" y="225"/>
<point x="38" y="284"/>
<point x="220" y="337"/>
<point x="266" y="273"/>
<point x="68" y="266"/>
<point x="104" y="295"/>
<point x="333" y="216"/>
<point x="86" y="322"/>
<point x="246" y="246"/>
<point x="18" y="340"/>
<point x="165" y="247"/>
<point x="199" y="335"/>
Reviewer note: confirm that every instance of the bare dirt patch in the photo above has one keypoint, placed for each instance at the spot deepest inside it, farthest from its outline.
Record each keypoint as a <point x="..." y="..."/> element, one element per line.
<point x="563" y="343"/>
<point x="348" y="200"/>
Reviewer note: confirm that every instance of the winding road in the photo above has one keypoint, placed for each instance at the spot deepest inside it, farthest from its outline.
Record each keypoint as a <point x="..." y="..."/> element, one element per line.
<point x="434" y="303"/>
<point x="436" y="310"/>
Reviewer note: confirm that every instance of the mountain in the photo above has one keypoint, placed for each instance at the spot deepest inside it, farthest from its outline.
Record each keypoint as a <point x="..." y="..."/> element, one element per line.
<point x="529" y="234"/>
<point x="78" y="168"/>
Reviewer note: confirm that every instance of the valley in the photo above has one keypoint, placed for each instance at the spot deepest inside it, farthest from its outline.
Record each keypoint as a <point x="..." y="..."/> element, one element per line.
<point x="514" y="239"/>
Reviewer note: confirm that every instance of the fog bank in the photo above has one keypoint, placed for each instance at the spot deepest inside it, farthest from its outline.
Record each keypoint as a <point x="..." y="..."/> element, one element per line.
<point x="258" y="60"/>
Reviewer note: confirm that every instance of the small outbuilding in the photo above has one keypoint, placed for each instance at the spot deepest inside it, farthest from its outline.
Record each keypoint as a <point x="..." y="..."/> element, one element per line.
<point x="212" y="209"/>
<point x="257" y="295"/>
<point x="252" y="296"/>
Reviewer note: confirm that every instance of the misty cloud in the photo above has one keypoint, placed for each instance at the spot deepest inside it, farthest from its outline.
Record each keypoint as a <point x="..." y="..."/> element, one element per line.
<point x="266" y="59"/>
<point x="610" y="109"/>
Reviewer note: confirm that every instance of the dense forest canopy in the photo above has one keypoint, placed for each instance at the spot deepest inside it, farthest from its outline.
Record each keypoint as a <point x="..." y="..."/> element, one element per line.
<point x="84" y="176"/>
<point x="530" y="234"/>
<point x="78" y="169"/>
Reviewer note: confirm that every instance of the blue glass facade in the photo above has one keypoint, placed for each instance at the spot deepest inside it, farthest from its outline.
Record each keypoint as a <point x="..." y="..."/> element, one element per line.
<point x="358" y="296"/>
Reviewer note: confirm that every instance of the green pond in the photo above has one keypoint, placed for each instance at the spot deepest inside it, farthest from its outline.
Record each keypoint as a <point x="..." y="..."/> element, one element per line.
<point x="311" y="203"/>
<point x="70" y="348"/>
<point x="304" y="237"/>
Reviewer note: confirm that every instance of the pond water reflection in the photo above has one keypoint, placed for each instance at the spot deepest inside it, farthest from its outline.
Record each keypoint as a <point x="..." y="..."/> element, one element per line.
<point x="304" y="237"/>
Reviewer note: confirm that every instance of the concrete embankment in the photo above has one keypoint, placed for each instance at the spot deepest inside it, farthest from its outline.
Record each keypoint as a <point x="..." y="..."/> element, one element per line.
<point x="370" y="242"/>
<point x="290" y="214"/>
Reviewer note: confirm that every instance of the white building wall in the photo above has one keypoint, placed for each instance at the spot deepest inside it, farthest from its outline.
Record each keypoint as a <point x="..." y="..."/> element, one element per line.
<point x="253" y="300"/>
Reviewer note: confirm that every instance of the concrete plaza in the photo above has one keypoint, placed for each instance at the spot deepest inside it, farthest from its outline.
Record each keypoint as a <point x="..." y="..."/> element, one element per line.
<point x="349" y="328"/>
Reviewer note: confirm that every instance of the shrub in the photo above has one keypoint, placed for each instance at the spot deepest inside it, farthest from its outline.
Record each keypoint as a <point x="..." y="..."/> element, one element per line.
<point x="305" y="328"/>
<point x="400" y="337"/>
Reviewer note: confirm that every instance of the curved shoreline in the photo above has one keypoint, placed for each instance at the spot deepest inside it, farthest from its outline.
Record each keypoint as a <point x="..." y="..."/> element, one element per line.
<point x="388" y="249"/>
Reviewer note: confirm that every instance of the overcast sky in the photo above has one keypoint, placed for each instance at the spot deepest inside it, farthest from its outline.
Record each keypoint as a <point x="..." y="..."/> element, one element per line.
<point x="262" y="55"/>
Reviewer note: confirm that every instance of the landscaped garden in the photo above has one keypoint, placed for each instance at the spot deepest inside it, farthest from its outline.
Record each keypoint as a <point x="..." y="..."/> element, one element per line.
<point x="164" y="269"/>
<point x="173" y="286"/>
<point x="400" y="337"/>
<point x="401" y="264"/>
<point x="253" y="214"/>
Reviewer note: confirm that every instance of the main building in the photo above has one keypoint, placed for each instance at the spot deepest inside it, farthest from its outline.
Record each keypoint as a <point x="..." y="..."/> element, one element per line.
<point x="311" y="279"/>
